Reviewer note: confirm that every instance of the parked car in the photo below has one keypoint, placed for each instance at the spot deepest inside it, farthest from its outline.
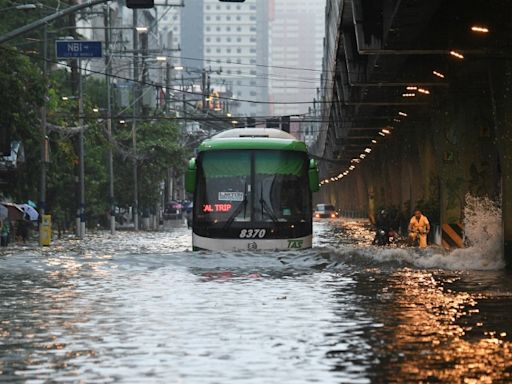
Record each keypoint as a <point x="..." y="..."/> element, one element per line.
<point x="173" y="210"/>
<point x="325" y="211"/>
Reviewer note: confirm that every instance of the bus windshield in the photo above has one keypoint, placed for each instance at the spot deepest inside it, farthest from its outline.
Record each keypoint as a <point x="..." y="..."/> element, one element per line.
<point x="252" y="186"/>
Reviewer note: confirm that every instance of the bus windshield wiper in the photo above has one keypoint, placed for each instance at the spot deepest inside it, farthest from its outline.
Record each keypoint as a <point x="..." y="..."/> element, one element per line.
<point x="236" y="212"/>
<point x="266" y="208"/>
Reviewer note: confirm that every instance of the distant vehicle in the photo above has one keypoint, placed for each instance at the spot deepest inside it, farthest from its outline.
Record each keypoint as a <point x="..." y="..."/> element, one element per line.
<point x="323" y="211"/>
<point x="173" y="211"/>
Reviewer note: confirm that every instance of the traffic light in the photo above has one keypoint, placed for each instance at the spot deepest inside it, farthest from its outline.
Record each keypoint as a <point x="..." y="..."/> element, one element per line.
<point x="140" y="3"/>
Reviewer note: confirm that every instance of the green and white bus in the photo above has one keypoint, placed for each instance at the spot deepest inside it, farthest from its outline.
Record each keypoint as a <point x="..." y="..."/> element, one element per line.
<point x="252" y="191"/>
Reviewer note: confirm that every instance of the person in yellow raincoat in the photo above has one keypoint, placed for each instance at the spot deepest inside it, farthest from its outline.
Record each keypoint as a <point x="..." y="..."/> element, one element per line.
<point x="419" y="227"/>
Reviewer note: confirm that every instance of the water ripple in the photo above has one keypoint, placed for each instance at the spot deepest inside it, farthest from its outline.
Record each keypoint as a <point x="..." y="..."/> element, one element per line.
<point x="144" y="308"/>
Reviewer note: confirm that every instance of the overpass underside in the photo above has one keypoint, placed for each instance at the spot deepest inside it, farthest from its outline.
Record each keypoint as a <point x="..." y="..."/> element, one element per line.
<point x="418" y="107"/>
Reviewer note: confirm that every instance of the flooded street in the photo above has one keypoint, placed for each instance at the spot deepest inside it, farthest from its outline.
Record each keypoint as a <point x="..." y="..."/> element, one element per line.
<point x="135" y="308"/>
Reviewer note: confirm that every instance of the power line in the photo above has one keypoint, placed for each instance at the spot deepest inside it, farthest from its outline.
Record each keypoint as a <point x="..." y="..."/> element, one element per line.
<point x="218" y="61"/>
<point x="163" y="86"/>
<point x="258" y="76"/>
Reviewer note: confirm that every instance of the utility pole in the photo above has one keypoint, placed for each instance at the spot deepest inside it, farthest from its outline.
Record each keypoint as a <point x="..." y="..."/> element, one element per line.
<point x="134" y="121"/>
<point x="143" y="111"/>
<point x="108" y="73"/>
<point x="169" y="179"/>
<point x="76" y="90"/>
<point x="81" y="150"/>
<point x="44" y="142"/>
<point x="203" y="87"/>
<point x="144" y="36"/>
<point x="208" y="89"/>
<point x="184" y="129"/>
<point x="167" y="87"/>
<point x="184" y="103"/>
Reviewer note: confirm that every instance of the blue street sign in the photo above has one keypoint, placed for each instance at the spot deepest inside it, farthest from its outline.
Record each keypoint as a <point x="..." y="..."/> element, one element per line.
<point x="76" y="49"/>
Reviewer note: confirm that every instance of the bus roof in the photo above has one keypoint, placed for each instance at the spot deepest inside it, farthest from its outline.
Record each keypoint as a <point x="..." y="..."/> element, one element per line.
<point x="253" y="138"/>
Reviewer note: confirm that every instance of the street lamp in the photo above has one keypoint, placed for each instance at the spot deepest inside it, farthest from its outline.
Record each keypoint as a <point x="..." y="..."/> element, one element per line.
<point x="20" y="7"/>
<point x="110" y="157"/>
<point x="136" y="32"/>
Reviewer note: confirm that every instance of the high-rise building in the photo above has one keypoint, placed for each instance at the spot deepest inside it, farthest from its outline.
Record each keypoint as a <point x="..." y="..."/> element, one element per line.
<point x="169" y="20"/>
<point x="236" y="53"/>
<point x="223" y="48"/>
<point x="192" y="41"/>
<point x="296" y="41"/>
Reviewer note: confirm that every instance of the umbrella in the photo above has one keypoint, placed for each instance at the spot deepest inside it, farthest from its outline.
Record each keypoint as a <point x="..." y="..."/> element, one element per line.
<point x="30" y="211"/>
<point x="4" y="212"/>
<point x="15" y="212"/>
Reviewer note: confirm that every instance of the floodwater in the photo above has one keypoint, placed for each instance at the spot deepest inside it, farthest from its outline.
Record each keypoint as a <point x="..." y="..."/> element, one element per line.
<point x="143" y="308"/>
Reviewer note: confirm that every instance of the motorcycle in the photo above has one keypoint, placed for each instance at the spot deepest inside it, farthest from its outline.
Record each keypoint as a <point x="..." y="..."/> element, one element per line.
<point x="386" y="237"/>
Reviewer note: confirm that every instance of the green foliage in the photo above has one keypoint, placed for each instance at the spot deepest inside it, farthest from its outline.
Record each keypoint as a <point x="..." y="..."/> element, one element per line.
<point x="158" y="144"/>
<point x="158" y="149"/>
<point x="21" y="87"/>
<point x="22" y="90"/>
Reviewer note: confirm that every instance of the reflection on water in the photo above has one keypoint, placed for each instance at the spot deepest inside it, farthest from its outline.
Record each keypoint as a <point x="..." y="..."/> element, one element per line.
<point x="434" y="331"/>
<point x="144" y="308"/>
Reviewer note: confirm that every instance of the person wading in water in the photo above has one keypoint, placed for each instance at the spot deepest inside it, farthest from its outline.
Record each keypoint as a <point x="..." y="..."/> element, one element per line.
<point x="419" y="227"/>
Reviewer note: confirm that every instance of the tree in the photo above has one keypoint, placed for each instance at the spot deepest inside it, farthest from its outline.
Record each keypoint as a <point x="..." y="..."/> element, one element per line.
<point x="158" y="149"/>
<point x="158" y="143"/>
<point x="21" y="87"/>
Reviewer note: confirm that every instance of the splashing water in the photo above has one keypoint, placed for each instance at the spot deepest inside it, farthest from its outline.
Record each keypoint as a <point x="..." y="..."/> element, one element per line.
<point x="482" y="223"/>
<point x="484" y="234"/>
<point x="483" y="237"/>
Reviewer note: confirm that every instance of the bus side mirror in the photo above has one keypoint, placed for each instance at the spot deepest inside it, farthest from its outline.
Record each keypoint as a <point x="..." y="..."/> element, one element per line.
<point x="190" y="176"/>
<point x="313" y="176"/>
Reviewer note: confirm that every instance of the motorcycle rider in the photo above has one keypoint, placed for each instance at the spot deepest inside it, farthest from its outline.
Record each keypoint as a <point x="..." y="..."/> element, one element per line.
<point x="419" y="227"/>
<point x="383" y="227"/>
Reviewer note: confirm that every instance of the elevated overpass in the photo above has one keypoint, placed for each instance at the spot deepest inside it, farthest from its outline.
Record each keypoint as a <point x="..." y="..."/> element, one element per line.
<point x="417" y="107"/>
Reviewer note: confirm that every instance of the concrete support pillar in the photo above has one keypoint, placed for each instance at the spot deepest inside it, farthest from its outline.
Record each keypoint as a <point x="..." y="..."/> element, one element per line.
<point x="464" y="143"/>
<point x="500" y="84"/>
<point x="450" y="170"/>
<point x="507" y="198"/>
